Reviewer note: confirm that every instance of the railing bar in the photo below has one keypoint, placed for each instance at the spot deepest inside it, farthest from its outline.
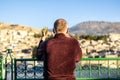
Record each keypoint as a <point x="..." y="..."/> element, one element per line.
<point x="80" y="69"/>
<point x="26" y="59"/>
<point x="100" y="59"/>
<point x="108" y="70"/>
<point x="98" y="68"/>
<point x="117" y="69"/>
<point x="1" y="62"/>
<point x="11" y="69"/>
<point x="6" y="66"/>
<point x="31" y="59"/>
<point x="15" y="75"/>
<point x="25" y="69"/>
<point x="34" y="69"/>
<point x="90" y="69"/>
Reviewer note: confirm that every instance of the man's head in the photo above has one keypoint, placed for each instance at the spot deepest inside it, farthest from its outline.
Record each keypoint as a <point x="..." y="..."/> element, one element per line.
<point x="60" y="26"/>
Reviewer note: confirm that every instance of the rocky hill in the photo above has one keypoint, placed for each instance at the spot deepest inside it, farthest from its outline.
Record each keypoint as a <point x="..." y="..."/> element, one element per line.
<point x="21" y="39"/>
<point x="96" y="28"/>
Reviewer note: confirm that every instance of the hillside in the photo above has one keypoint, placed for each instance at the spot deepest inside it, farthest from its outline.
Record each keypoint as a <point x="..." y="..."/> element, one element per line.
<point x="4" y="26"/>
<point x="96" y="28"/>
<point x="21" y="39"/>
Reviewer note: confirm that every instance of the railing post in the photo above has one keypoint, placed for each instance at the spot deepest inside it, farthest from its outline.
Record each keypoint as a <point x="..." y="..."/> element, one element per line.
<point x="98" y="68"/>
<point x="80" y="69"/>
<point x="9" y="51"/>
<point x="15" y="68"/>
<point x="2" y="75"/>
<point x="90" y="69"/>
<point x="25" y="69"/>
<point x="108" y="70"/>
<point x="117" y="69"/>
<point x="34" y="68"/>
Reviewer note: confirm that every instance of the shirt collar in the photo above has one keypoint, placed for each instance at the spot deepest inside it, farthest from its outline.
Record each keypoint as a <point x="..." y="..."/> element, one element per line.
<point x="60" y="35"/>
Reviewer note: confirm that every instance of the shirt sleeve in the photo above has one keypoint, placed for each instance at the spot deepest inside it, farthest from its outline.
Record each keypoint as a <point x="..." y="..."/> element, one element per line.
<point x="40" y="50"/>
<point x="78" y="52"/>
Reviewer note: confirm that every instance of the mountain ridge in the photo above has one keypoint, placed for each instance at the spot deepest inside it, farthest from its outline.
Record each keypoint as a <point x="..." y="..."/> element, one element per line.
<point x="96" y="28"/>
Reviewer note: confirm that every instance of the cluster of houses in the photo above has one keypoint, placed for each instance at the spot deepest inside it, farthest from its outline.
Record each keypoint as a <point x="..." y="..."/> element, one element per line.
<point x="18" y="38"/>
<point x="101" y="48"/>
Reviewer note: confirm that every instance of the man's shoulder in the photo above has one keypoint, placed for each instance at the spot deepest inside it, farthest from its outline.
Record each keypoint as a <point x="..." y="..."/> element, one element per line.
<point x="73" y="39"/>
<point x="46" y="41"/>
<point x="70" y="39"/>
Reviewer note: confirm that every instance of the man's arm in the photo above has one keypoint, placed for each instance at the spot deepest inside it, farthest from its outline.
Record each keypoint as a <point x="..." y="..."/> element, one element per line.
<point x="39" y="53"/>
<point x="78" y="52"/>
<point x="41" y="46"/>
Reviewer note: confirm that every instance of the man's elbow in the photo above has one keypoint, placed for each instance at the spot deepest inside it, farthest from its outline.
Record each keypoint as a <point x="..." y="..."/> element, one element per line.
<point x="79" y="58"/>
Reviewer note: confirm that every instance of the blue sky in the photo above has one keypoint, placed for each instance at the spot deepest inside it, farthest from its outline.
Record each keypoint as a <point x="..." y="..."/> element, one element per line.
<point x="40" y="13"/>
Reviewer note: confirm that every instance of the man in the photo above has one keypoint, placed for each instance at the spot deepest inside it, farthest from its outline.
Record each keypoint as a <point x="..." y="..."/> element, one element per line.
<point x="60" y="53"/>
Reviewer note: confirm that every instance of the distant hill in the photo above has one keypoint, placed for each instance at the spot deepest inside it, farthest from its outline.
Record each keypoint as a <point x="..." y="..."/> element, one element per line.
<point x="96" y="28"/>
<point x="17" y="27"/>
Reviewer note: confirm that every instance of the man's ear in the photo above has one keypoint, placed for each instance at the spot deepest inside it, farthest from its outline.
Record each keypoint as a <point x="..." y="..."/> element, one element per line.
<point x="53" y="30"/>
<point x="67" y="31"/>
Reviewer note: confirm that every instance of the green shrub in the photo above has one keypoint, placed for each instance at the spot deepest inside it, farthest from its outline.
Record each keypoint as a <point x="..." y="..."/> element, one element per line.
<point x="37" y="35"/>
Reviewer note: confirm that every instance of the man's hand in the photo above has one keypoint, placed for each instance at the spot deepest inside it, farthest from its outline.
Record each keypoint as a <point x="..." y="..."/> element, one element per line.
<point x="44" y="34"/>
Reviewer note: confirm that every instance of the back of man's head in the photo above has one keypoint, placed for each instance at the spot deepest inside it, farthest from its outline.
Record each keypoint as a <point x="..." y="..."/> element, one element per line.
<point x="60" y="26"/>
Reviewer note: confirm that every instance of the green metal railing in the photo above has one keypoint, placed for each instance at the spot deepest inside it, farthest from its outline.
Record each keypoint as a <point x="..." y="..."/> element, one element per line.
<point x="2" y="69"/>
<point x="87" y="69"/>
<point x="8" y="65"/>
<point x="28" y="69"/>
<point x="98" y="69"/>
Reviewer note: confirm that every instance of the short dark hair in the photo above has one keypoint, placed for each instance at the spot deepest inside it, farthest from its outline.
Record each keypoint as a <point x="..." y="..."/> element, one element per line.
<point x="60" y="25"/>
